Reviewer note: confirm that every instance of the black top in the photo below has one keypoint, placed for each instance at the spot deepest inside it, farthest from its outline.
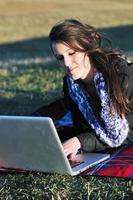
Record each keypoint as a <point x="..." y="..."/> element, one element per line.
<point x="126" y="74"/>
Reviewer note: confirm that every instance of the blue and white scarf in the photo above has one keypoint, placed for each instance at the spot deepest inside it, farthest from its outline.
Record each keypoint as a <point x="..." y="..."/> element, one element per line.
<point x="113" y="130"/>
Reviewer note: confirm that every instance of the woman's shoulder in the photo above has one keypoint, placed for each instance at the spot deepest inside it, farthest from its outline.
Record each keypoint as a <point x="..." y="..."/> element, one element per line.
<point x="126" y="79"/>
<point x="123" y="67"/>
<point x="129" y="72"/>
<point x="124" y="70"/>
<point x="130" y="68"/>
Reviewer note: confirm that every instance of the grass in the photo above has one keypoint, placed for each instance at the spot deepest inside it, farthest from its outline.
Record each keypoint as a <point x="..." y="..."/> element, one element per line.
<point x="20" y="19"/>
<point x="30" y="77"/>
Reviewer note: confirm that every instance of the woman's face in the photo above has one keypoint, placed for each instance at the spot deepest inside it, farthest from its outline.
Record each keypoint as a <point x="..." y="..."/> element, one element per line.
<point x="76" y="64"/>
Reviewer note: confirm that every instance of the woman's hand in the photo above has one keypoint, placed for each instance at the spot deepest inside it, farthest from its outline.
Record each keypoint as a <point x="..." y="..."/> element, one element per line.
<point x="71" y="147"/>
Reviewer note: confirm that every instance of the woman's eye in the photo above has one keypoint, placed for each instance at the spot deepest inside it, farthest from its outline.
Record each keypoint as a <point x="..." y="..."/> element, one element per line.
<point x="70" y="54"/>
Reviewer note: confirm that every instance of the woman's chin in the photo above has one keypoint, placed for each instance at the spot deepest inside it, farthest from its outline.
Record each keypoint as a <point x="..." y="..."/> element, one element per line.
<point x="74" y="77"/>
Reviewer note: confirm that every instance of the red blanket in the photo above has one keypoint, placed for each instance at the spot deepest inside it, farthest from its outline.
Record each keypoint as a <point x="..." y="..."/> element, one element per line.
<point x="120" y="164"/>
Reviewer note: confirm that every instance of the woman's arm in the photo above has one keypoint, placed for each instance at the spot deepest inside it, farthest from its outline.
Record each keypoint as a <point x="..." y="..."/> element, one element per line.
<point x="84" y="141"/>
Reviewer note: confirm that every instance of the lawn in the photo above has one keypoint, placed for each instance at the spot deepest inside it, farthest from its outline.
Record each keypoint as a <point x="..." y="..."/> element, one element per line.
<point x="30" y="77"/>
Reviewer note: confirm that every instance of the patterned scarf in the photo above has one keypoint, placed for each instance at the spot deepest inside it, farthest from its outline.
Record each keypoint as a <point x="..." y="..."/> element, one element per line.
<point x="111" y="128"/>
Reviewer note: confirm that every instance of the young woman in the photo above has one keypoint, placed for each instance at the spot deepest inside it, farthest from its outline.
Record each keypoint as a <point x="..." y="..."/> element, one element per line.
<point x="98" y="88"/>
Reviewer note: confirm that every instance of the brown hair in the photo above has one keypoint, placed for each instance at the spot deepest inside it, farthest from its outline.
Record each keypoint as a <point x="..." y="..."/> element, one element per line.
<point x="85" y="38"/>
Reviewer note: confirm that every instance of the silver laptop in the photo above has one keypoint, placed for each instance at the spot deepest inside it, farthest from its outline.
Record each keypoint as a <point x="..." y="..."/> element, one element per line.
<point x="32" y="143"/>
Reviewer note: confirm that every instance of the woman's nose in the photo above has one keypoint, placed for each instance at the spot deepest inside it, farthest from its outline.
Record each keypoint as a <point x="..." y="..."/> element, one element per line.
<point x="67" y="62"/>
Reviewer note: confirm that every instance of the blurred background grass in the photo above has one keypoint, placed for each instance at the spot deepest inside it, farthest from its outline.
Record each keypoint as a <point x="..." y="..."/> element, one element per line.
<point x="30" y="77"/>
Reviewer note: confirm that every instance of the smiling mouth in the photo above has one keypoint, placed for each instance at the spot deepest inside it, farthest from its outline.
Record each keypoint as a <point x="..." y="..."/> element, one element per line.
<point x="71" y="70"/>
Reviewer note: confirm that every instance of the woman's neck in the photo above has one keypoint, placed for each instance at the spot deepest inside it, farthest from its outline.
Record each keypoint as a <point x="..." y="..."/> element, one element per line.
<point x="89" y="79"/>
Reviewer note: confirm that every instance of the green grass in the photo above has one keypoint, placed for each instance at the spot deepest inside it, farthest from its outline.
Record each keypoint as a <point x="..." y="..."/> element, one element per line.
<point x="30" y="77"/>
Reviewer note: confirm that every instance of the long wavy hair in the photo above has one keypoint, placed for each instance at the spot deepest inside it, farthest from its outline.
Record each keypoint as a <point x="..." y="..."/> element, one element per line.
<point x="109" y="61"/>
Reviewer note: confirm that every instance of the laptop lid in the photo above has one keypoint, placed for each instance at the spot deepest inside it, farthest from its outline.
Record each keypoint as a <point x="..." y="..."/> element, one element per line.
<point x="31" y="143"/>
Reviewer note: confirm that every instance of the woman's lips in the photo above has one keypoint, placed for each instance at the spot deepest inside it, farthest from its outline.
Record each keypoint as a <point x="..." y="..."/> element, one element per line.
<point x="71" y="70"/>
